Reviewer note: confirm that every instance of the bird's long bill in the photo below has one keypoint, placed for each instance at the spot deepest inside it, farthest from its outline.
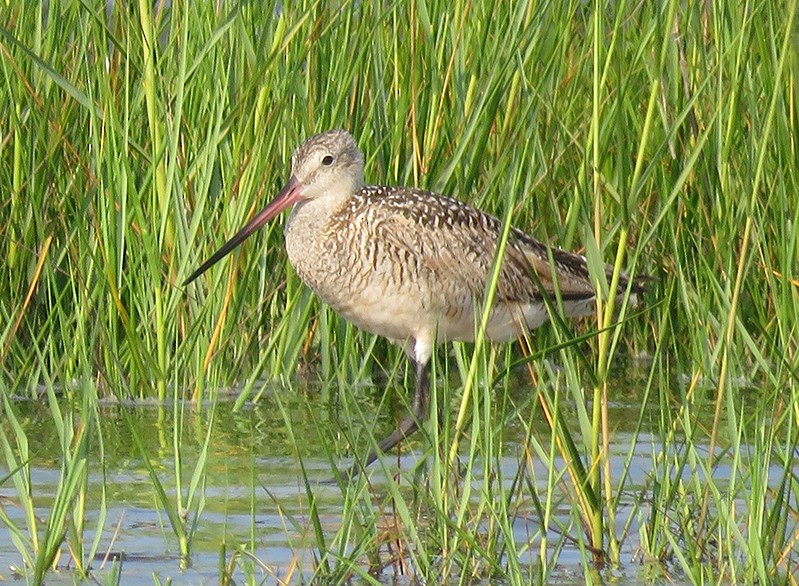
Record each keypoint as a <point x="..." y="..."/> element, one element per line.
<point x="287" y="197"/>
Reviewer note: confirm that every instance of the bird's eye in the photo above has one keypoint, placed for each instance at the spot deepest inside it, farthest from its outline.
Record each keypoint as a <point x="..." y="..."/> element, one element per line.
<point x="327" y="160"/>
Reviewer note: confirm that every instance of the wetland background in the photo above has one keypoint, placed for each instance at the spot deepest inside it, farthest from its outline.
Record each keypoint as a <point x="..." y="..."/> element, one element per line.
<point x="191" y="429"/>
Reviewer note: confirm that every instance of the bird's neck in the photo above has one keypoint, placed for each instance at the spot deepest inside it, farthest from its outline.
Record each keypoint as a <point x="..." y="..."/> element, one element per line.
<point x="310" y="216"/>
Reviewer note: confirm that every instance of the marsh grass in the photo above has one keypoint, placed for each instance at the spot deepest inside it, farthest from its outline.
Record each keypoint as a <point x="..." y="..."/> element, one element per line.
<point x="42" y="543"/>
<point x="184" y="511"/>
<point x="658" y="137"/>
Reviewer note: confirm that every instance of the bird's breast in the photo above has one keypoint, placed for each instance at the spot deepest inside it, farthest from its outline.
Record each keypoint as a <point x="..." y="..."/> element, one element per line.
<point x="360" y="275"/>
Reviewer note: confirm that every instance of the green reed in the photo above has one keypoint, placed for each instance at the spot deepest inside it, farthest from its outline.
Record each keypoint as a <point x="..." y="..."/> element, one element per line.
<point x="657" y="137"/>
<point x="62" y="536"/>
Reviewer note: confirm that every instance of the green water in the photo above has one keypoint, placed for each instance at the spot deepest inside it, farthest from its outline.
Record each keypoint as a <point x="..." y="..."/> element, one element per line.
<point x="254" y="493"/>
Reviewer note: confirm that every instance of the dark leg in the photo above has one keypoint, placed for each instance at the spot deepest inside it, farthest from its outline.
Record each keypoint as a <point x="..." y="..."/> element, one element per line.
<point x="411" y="423"/>
<point x="406" y="427"/>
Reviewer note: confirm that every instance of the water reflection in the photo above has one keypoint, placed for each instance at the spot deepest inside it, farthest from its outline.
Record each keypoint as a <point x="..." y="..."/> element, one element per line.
<point x="254" y="492"/>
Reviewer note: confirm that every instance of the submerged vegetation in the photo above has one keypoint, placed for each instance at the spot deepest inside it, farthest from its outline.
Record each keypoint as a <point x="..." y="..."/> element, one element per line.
<point x="658" y="137"/>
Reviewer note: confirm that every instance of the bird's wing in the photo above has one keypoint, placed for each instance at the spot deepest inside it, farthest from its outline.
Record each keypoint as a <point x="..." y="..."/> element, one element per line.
<point x="458" y="245"/>
<point x="554" y="269"/>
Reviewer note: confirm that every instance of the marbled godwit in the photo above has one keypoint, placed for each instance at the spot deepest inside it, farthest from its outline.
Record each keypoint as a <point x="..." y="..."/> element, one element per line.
<point x="411" y="265"/>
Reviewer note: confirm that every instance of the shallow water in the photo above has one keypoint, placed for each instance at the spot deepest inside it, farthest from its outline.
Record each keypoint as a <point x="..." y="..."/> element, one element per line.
<point x="253" y="489"/>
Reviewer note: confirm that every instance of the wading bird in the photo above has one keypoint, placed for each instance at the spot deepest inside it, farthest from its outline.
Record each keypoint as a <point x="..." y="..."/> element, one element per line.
<point x="411" y="265"/>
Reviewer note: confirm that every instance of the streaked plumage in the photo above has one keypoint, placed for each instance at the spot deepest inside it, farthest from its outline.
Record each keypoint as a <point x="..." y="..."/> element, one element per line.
<point x="409" y="264"/>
